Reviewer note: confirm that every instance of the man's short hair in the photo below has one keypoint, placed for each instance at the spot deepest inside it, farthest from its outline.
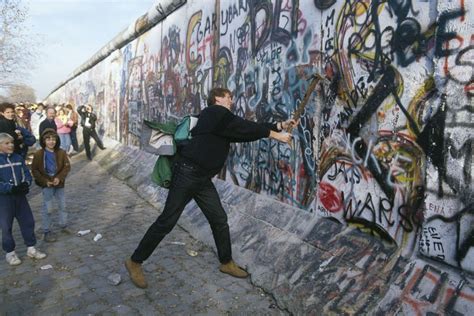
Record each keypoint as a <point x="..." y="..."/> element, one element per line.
<point x="217" y="92"/>
<point x="6" y="105"/>
<point x="4" y="137"/>
<point x="51" y="108"/>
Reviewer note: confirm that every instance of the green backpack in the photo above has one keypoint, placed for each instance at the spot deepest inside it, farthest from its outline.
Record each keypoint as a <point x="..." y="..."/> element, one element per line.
<point x="162" y="172"/>
<point x="182" y="135"/>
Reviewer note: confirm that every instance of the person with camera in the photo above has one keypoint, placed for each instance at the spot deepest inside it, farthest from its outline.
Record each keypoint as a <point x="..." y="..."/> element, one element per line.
<point x="88" y="123"/>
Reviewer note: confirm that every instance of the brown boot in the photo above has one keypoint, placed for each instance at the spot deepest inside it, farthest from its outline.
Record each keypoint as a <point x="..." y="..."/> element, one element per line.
<point x="136" y="273"/>
<point x="232" y="269"/>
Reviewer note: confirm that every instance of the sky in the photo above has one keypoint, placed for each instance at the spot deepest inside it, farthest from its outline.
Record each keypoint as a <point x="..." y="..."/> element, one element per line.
<point x="69" y="32"/>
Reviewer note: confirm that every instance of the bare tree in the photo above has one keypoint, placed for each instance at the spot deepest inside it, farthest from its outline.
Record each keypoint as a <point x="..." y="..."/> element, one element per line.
<point x="16" y="53"/>
<point x="21" y="93"/>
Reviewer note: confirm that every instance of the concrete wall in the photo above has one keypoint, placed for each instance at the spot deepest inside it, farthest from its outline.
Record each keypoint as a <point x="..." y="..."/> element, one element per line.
<point x="384" y="150"/>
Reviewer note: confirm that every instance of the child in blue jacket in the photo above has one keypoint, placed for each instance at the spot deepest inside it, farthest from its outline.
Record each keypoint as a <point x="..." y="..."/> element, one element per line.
<point x="15" y="179"/>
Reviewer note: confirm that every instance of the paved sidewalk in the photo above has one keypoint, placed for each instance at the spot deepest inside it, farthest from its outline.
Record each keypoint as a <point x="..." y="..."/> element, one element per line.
<point x="182" y="274"/>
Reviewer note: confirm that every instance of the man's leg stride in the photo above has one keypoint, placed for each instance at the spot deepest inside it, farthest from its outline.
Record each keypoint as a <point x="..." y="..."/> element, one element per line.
<point x="97" y="139"/>
<point x="176" y="201"/>
<point x="86" y="139"/>
<point x="155" y="233"/>
<point x="209" y="202"/>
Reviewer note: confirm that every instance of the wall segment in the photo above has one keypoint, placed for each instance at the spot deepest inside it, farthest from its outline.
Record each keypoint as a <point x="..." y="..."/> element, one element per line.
<point x="386" y="146"/>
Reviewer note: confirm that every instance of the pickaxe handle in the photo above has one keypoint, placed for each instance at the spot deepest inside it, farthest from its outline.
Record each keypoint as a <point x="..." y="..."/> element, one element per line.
<point x="299" y="111"/>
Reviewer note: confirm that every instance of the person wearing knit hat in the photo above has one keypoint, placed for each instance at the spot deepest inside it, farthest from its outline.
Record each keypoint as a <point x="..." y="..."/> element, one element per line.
<point x="50" y="168"/>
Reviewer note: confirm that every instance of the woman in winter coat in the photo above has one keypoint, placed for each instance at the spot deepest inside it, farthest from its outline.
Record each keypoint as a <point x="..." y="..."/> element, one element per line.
<point x="64" y="124"/>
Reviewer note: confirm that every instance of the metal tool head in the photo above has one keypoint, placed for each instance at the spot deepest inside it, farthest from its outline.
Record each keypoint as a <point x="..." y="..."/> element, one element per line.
<point x="318" y="76"/>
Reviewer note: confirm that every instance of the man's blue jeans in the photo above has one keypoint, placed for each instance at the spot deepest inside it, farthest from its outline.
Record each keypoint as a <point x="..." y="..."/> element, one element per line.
<point x="188" y="183"/>
<point x="48" y="195"/>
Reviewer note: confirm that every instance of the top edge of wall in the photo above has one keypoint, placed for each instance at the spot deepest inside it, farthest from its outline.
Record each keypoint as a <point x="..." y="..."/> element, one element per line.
<point x="157" y="13"/>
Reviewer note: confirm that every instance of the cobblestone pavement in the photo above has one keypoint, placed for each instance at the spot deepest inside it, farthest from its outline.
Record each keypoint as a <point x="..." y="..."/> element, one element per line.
<point x="182" y="273"/>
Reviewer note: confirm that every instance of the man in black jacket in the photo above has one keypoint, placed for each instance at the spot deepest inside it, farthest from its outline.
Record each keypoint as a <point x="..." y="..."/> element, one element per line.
<point x="199" y="161"/>
<point x="88" y="120"/>
<point x="49" y="121"/>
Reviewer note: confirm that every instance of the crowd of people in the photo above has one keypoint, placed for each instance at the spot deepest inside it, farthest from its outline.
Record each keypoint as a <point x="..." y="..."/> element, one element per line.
<point x="49" y="131"/>
<point x="62" y="118"/>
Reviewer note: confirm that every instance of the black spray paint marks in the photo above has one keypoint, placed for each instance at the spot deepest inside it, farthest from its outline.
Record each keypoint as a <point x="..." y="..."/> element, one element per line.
<point x="431" y="140"/>
<point x="323" y="4"/>
<point x="463" y="245"/>
<point x="442" y="36"/>
<point x="379" y="94"/>
<point x="271" y="26"/>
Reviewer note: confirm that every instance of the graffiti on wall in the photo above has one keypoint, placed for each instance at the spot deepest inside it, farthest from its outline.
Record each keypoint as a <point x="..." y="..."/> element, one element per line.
<point x="372" y="162"/>
<point x="385" y="147"/>
<point x="449" y="202"/>
<point x="386" y="136"/>
<point x="263" y="52"/>
<point x="423" y="289"/>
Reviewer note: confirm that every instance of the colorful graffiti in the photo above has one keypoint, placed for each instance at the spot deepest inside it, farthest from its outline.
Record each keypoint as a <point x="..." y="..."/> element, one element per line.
<point x="386" y="146"/>
<point x="386" y="129"/>
<point x="423" y="289"/>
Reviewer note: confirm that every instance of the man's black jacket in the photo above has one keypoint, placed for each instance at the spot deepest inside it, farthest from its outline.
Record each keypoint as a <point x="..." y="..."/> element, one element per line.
<point x="216" y="128"/>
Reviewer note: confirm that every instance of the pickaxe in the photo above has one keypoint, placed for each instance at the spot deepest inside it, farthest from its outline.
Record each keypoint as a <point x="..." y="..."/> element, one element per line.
<point x="315" y="79"/>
